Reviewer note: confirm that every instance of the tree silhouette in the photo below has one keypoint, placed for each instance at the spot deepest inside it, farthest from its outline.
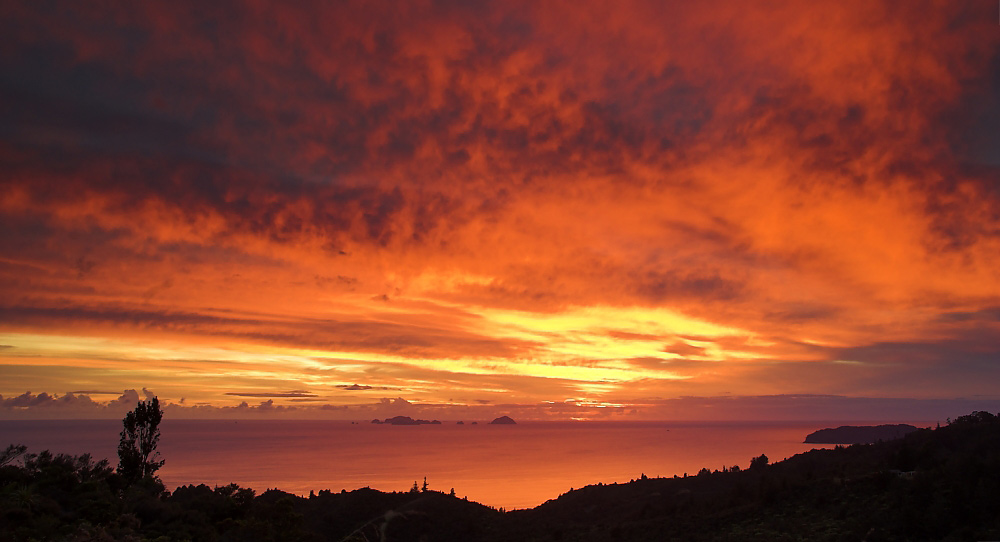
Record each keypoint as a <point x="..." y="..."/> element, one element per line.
<point x="11" y="453"/>
<point x="137" y="455"/>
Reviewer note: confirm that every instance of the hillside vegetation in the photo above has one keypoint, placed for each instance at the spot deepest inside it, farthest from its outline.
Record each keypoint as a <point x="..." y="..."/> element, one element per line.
<point x="941" y="484"/>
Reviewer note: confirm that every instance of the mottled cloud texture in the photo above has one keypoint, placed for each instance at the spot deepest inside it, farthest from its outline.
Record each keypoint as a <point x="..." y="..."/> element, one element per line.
<point x="609" y="205"/>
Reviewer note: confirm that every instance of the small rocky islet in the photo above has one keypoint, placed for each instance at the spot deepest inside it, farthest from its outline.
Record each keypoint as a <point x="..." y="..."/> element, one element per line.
<point x="406" y="420"/>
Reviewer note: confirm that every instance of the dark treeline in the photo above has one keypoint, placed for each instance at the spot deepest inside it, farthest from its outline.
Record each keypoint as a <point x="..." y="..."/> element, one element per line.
<point x="941" y="484"/>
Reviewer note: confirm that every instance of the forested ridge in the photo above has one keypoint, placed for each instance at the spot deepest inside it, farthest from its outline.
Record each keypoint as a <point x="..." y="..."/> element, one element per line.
<point x="933" y="484"/>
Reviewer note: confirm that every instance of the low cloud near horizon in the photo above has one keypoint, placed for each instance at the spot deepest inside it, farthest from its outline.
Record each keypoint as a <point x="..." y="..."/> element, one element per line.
<point x="825" y="408"/>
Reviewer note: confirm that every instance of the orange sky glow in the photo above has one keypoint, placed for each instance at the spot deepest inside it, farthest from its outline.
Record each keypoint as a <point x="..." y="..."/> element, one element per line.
<point x="553" y="210"/>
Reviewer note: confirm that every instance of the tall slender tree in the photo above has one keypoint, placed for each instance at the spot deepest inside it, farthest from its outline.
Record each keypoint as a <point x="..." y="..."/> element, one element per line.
<point x="137" y="455"/>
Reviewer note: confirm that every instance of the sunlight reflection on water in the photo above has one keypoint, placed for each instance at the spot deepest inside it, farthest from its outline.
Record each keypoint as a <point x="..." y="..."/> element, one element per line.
<point x="510" y="466"/>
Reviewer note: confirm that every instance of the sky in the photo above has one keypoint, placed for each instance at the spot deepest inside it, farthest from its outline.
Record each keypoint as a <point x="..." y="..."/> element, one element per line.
<point x="553" y="210"/>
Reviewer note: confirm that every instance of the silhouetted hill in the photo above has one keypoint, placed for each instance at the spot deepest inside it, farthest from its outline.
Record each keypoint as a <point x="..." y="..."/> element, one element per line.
<point x="938" y="484"/>
<point x="859" y="434"/>
<point x="930" y="485"/>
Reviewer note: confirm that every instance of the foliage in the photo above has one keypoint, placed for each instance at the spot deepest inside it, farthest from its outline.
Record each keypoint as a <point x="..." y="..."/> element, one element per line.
<point x="930" y="485"/>
<point x="758" y="462"/>
<point x="12" y="453"/>
<point x="137" y="455"/>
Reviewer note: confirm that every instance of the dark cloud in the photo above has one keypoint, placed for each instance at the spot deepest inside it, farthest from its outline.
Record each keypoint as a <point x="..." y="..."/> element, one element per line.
<point x="802" y="311"/>
<point x="27" y="400"/>
<point x="197" y="150"/>
<point x="971" y="351"/>
<point x="127" y="400"/>
<point x="69" y="405"/>
<point x="990" y="314"/>
<point x="966" y="361"/>
<point x="294" y="393"/>
<point x="681" y="367"/>
<point x="361" y="387"/>
<point x="264" y="407"/>
<point x="660" y="286"/>
<point x="139" y="318"/>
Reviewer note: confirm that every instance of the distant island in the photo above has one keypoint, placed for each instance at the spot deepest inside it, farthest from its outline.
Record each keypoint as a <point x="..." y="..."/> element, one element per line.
<point x="859" y="434"/>
<point x="405" y="420"/>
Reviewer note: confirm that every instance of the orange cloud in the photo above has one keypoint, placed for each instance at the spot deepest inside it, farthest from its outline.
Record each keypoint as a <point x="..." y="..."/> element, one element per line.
<point x="541" y="202"/>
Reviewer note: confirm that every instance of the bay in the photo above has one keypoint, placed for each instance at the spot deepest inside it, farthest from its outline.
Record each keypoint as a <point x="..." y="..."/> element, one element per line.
<point x="509" y="466"/>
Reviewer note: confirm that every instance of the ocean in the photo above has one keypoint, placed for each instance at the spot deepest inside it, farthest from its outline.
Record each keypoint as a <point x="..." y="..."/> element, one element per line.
<point x="509" y="466"/>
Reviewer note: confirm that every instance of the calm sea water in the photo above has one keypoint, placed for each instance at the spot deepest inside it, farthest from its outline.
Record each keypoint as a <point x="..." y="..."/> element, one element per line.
<point x="514" y="466"/>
